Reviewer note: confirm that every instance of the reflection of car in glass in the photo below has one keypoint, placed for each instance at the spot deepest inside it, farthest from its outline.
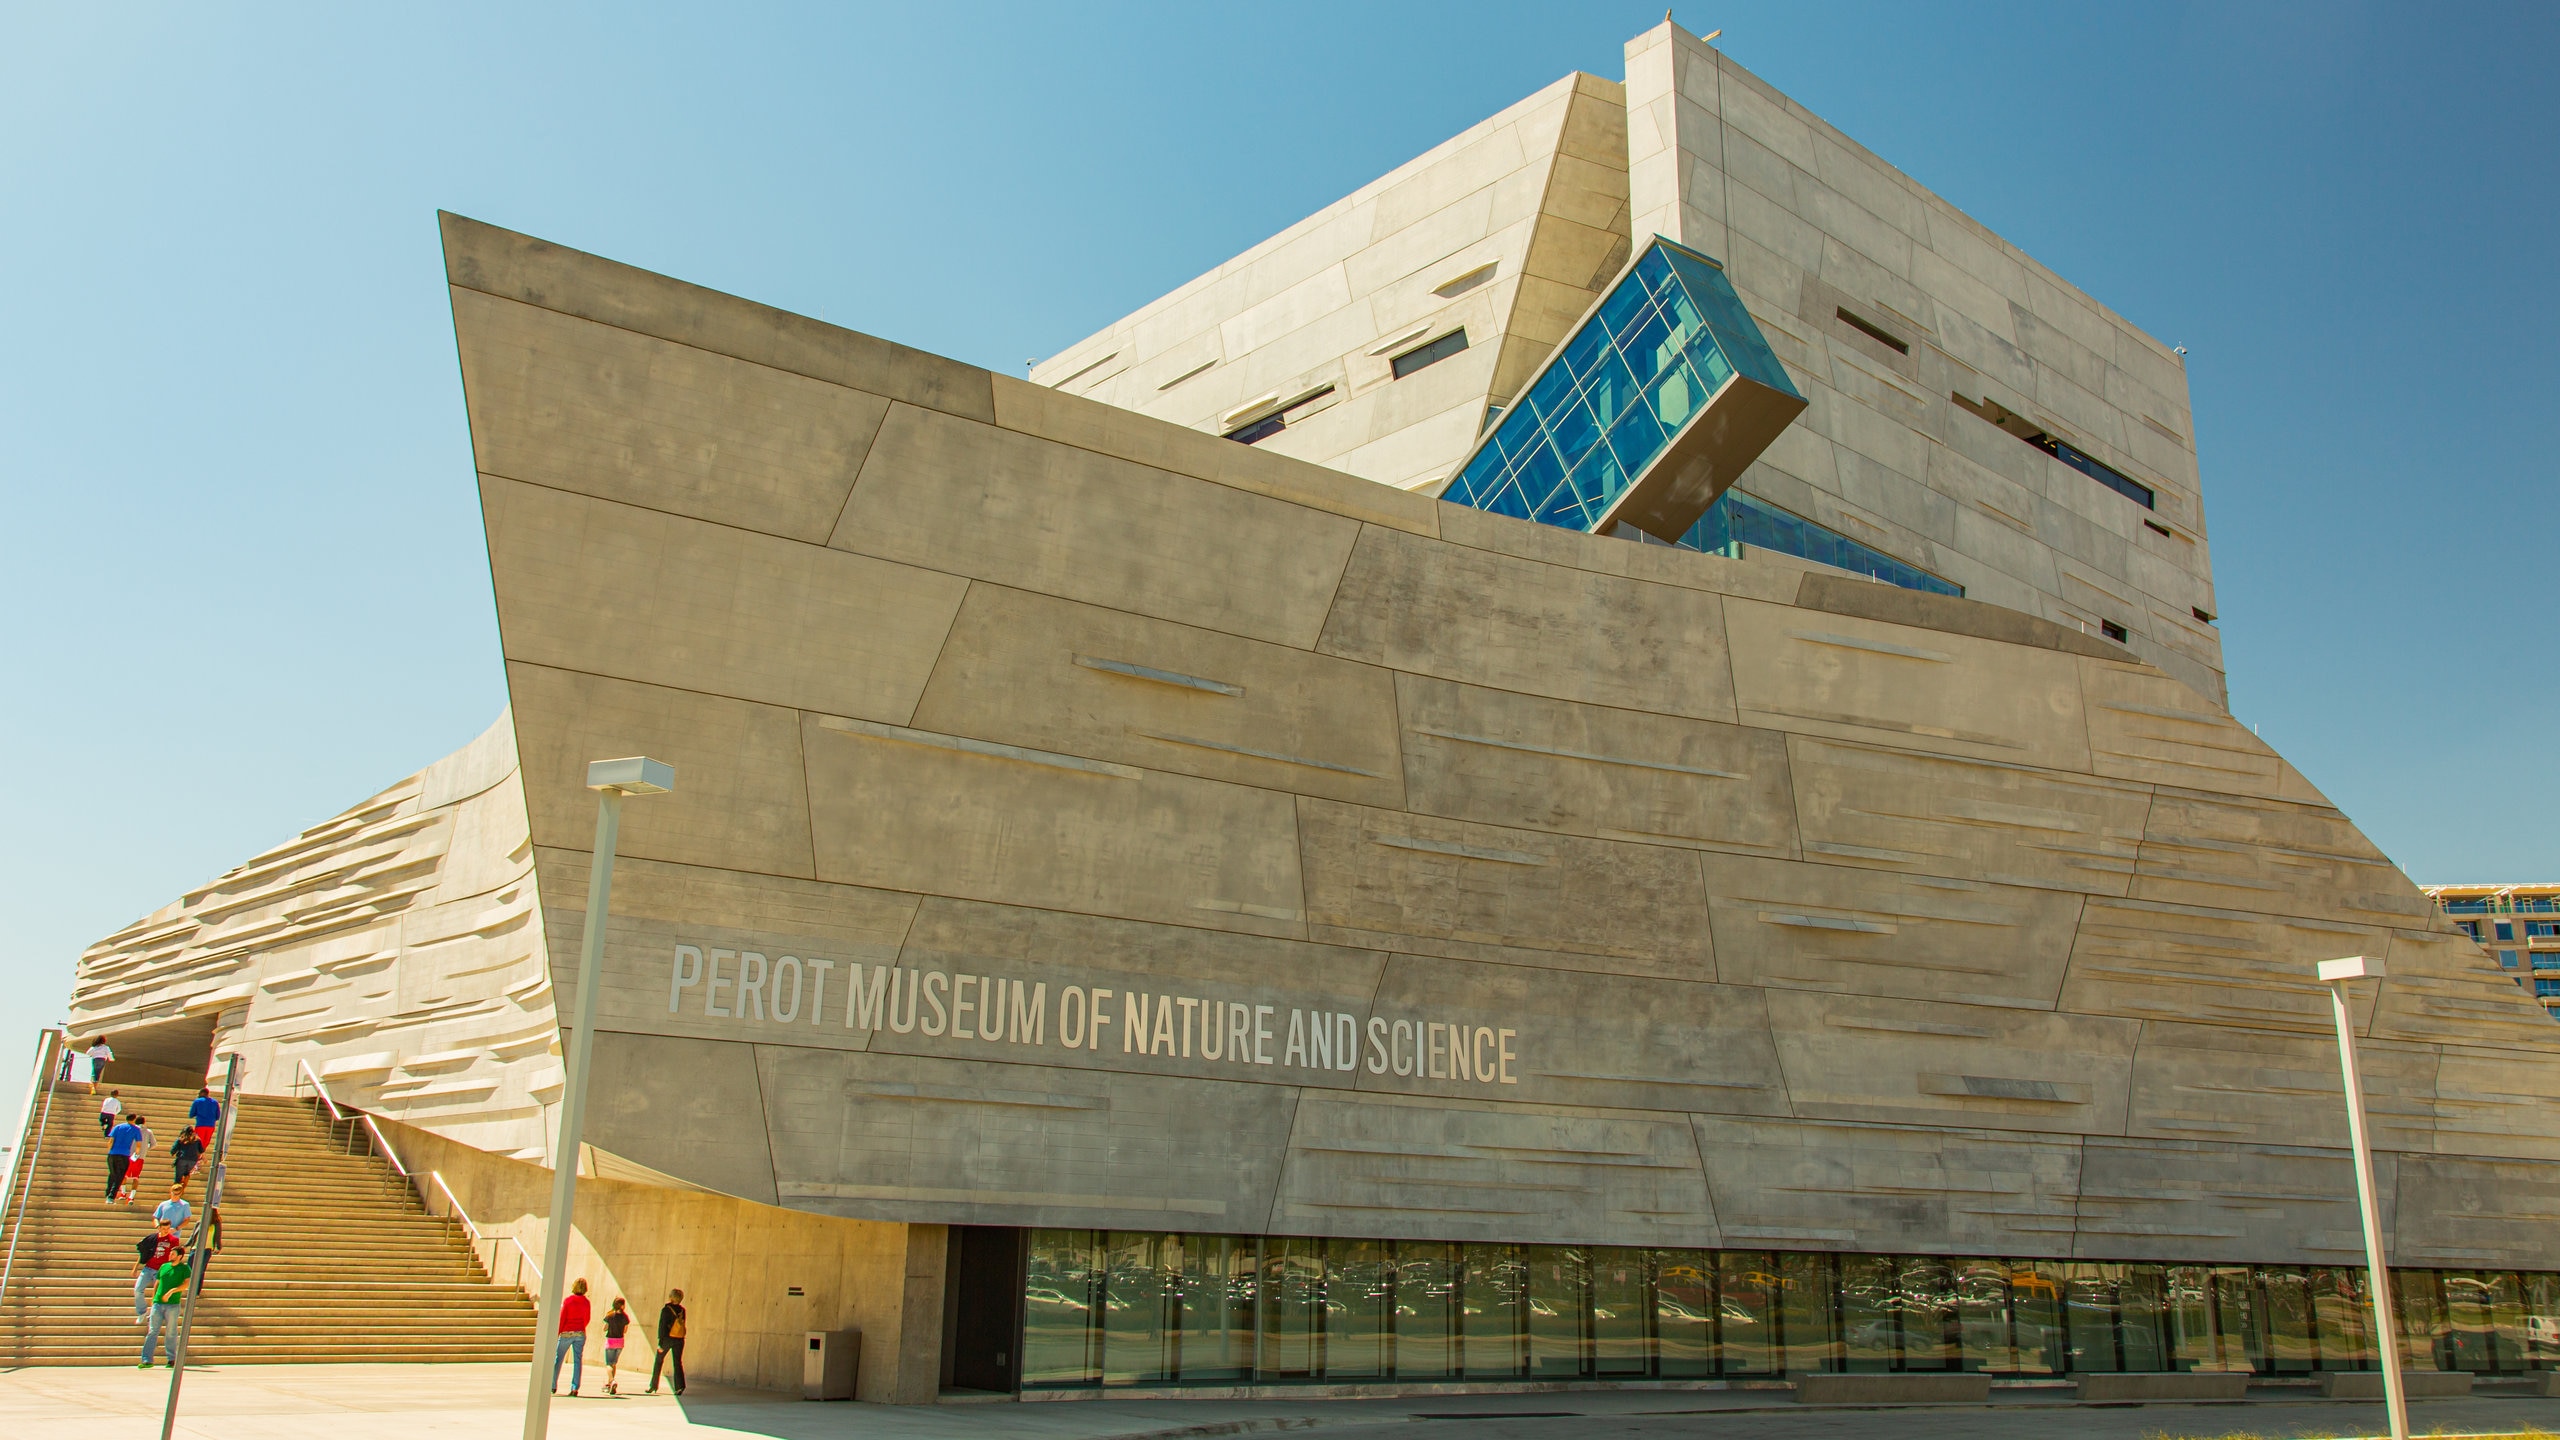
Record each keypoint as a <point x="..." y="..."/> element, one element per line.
<point x="2542" y="1333"/>
<point x="1040" y="1298"/>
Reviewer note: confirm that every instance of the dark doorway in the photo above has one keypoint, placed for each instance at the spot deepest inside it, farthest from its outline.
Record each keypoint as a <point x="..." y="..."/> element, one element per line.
<point x="983" y="1296"/>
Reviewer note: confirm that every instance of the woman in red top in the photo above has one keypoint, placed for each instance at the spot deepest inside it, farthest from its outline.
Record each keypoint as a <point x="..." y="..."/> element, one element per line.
<point x="574" y="1314"/>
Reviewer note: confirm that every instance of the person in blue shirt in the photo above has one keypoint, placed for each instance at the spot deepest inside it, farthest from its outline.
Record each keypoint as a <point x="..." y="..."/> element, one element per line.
<point x="204" y="1113"/>
<point x="173" y="1212"/>
<point x="120" y="1143"/>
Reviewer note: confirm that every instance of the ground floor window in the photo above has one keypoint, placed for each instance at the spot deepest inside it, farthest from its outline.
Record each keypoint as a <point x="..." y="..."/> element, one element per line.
<point x="1117" y="1308"/>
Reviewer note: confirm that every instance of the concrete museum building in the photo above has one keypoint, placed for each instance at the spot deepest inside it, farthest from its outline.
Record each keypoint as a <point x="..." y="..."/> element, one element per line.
<point x="1605" y="761"/>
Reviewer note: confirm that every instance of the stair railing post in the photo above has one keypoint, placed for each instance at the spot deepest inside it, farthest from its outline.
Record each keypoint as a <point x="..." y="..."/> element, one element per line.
<point x="196" y="1252"/>
<point x="23" y="1159"/>
<point x="611" y="780"/>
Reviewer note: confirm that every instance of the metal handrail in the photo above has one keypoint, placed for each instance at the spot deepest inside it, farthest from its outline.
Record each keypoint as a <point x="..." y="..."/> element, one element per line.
<point x="426" y="1201"/>
<point x="23" y="1156"/>
<point x="524" y="1257"/>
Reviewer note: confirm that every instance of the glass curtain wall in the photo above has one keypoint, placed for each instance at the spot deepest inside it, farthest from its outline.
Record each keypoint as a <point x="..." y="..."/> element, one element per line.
<point x="1110" y="1309"/>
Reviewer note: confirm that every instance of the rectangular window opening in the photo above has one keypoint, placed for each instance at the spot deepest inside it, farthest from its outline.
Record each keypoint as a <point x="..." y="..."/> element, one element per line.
<point x="1873" y="332"/>
<point x="2163" y="529"/>
<point x="1430" y="352"/>
<point x="2062" y="450"/>
<point x="2112" y="631"/>
<point x="2201" y="613"/>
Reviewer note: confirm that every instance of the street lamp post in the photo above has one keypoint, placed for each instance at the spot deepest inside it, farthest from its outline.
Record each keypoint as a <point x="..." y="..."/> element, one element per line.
<point x="611" y="779"/>
<point x="2335" y="974"/>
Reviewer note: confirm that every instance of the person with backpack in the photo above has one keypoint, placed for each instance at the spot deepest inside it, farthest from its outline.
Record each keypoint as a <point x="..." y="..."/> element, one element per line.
<point x="168" y="1296"/>
<point x="616" y="1321"/>
<point x="120" y="1144"/>
<point x="185" y="1153"/>
<point x="670" y="1340"/>
<point x="572" y="1340"/>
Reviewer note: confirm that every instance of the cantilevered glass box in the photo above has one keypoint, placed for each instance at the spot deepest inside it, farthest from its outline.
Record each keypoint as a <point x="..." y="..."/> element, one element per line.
<point x="1644" y="414"/>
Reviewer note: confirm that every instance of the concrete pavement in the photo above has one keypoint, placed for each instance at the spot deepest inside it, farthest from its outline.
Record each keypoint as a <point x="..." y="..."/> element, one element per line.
<point x="482" y="1402"/>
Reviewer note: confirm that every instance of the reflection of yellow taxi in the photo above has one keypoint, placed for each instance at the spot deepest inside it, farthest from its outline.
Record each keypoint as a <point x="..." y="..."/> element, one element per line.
<point x="2028" y="1282"/>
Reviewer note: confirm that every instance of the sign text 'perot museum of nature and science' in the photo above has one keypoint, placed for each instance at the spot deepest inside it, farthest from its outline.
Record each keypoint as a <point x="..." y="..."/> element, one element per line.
<point x="1000" y="1009"/>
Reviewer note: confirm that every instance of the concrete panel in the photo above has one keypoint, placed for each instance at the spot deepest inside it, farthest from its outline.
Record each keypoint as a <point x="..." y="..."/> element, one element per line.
<point x="797" y="941"/>
<point x="982" y="1143"/>
<point x="1169" y="997"/>
<point x="903" y="809"/>
<point x="2194" y="1203"/>
<point x="1506" y="758"/>
<point x="579" y="406"/>
<point x="2236" y="853"/>
<point x="1563" y="1038"/>
<point x="693" y="1109"/>
<point x="2224" y="1084"/>
<point x="1917" y="814"/>
<point x="1857" y="679"/>
<point x="2462" y="1211"/>
<point x="1828" y="1185"/>
<point x="518" y="267"/>
<point x="740" y="802"/>
<point x="1829" y="927"/>
<point x="2145" y="726"/>
<point x="1850" y="1057"/>
<point x="2442" y="986"/>
<point x="2170" y="962"/>
<point x="1051" y="674"/>
<point x="642" y="595"/>
<point x="1442" y="887"/>
<point x="2496" y="1102"/>
<point x="1414" y="1168"/>
<point x="1461" y="614"/>
<point x="998" y="505"/>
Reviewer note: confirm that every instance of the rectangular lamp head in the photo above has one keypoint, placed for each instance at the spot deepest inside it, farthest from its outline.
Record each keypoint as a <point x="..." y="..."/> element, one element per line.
<point x="2354" y="967"/>
<point x="632" y="775"/>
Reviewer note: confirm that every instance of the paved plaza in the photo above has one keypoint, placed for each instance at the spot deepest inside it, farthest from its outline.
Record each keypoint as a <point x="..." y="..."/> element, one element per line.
<point x="483" y="1402"/>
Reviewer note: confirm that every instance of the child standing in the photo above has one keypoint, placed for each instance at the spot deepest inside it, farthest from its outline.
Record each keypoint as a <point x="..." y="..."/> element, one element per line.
<point x="616" y="1320"/>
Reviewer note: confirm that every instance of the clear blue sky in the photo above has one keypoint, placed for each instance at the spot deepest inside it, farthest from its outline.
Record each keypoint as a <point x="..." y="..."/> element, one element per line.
<point x="241" y="547"/>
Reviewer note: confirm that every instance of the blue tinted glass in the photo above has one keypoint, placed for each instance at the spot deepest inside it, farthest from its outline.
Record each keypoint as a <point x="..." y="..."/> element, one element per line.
<point x="1712" y="367"/>
<point x="1623" y="303"/>
<point x="1654" y="270"/>
<point x="1553" y="389"/>
<point x="1610" y="391"/>
<point x="1647" y="346"/>
<point x="1687" y="324"/>
<point x="1736" y="332"/>
<point x="1740" y="519"/>
<point x="1581" y="353"/>
<point x="1597" y="481"/>
<point x="1637" y="438"/>
<point x="1574" y="433"/>
<point x="1536" y="474"/>
<point x="1506" y="501"/>
<point x="1676" y="397"/>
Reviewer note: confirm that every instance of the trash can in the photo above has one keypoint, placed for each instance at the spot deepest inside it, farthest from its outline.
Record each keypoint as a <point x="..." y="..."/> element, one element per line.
<point x="826" y="1372"/>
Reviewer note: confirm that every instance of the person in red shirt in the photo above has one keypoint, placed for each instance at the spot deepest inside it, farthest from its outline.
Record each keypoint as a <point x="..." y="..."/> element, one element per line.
<point x="574" y="1314"/>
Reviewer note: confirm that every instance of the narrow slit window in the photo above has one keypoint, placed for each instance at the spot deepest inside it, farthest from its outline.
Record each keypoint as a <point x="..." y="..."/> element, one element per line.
<point x="2163" y="529"/>
<point x="2062" y="450"/>
<point x="1873" y="331"/>
<point x="1263" y="427"/>
<point x="1430" y="352"/>
<point x="2111" y="630"/>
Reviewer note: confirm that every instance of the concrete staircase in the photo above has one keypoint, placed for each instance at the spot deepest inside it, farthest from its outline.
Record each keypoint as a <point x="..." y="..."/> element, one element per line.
<point x="326" y="1256"/>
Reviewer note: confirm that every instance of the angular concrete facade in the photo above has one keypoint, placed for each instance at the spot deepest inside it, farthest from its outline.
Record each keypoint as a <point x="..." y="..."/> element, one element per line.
<point x="1086" y="822"/>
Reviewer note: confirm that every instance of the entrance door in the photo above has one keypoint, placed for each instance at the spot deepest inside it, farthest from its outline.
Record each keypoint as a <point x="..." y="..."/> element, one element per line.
<point x="985" y="1295"/>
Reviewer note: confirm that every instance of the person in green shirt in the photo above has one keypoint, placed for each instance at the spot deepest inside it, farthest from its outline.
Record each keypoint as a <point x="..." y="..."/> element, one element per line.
<point x="168" y="1295"/>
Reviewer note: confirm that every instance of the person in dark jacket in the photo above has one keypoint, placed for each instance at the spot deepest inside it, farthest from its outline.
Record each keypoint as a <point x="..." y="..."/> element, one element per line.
<point x="670" y="1341"/>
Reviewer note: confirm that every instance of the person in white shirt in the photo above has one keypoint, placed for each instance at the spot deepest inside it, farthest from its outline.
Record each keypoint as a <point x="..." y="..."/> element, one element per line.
<point x="110" y="1110"/>
<point x="98" y="1056"/>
